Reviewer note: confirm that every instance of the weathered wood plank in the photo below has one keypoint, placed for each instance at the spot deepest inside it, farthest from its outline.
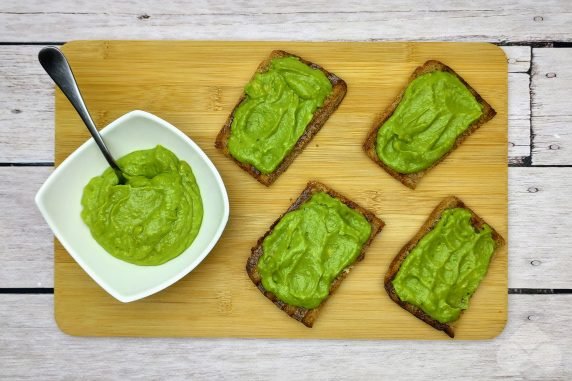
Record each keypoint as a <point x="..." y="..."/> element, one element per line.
<point x="551" y="113"/>
<point x="538" y="217"/>
<point x="536" y="344"/>
<point x="26" y="107"/>
<point x="518" y="115"/>
<point x="26" y="247"/>
<point x="518" y="58"/>
<point x="507" y="20"/>
<point x="540" y="225"/>
<point x="279" y="6"/>
<point x="27" y="120"/>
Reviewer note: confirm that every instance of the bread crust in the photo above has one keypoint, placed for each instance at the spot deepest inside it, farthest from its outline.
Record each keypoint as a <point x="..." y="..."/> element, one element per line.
<point x="447" y="203"/>
<point x="304" y="315"/>
<point x="412" y="180"/>
<point x="321" y="115"/>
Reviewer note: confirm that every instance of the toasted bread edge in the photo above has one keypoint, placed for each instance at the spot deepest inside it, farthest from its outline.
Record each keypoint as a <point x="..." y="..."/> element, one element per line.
<point x="321" y="115"/>
<point x="304" y="315"/>
<point x="413" y="179"/>
<point x="447" y="203"/>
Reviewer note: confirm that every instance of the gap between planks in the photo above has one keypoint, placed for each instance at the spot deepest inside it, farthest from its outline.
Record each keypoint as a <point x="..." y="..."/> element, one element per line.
<point x="27" y="105"/>
<point x="539" y="229"/>
<point x="535" y="344"/>
<point x="551" y="88"/>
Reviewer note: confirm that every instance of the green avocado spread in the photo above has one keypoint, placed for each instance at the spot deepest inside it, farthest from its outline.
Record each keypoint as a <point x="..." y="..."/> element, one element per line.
<point x="278" y="106"/>
<point x="152" y="218"/>
<point x="446" y="266"/>
<point x="435" y="109"/>
<point x="309" y="248"/>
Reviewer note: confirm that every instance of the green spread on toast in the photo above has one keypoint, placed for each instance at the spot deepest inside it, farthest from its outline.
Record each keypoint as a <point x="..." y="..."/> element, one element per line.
<point x="309" y="248"/>
<point x="446" y="266"/>
<point x="435" y="109"/>
<point x="279" y="105"/>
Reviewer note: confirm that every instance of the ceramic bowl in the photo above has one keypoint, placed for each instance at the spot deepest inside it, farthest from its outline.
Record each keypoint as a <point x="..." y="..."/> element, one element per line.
<point x="59" y="201"/>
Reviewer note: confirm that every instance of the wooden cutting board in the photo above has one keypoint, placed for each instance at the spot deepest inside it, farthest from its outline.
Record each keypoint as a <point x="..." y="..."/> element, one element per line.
<point x="194" y="86"/>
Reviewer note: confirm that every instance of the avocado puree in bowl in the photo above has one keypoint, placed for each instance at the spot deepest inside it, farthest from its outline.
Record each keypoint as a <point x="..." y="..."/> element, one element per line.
<point x="278" y="106"/>
<point x="435" y="109"/>
<point x="309" y="248"/>
<point x="446" y="266"/>
<point x="153" y="217"/>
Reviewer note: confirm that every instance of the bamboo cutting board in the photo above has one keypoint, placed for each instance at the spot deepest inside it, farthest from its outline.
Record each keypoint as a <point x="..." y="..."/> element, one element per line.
<point x="194" y="86"/>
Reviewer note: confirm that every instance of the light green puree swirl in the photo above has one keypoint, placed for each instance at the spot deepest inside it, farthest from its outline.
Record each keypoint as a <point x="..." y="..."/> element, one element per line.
<point x="435" y="109"/>
<point x="152" y="218"/>
<point x="278" y="106"/>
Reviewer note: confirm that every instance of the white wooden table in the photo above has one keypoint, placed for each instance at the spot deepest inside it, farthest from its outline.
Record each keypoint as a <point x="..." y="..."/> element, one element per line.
<point x="537" y="342"/>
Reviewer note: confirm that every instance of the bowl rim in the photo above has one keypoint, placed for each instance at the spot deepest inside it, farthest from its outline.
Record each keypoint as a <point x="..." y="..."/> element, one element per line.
<point x="62" y="239"/>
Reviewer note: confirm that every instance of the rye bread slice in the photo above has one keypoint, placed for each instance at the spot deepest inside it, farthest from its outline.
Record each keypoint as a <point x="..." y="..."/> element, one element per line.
<point x="411" y="180"/>
<point x="304" y="315"/>
<point x="321" y="115"/>
<point x="447" y="203"/>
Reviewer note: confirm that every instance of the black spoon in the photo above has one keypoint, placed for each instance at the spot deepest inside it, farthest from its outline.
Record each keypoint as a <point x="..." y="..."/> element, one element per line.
<point x="55" y="64"/>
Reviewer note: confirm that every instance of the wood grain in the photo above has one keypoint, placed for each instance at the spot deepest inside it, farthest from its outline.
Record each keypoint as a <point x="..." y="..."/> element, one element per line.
<point x="519" y="115"/>
<point x="536" y="191"/>
<point x="505" y="20"/>
<point x="196" y="94"/>
<point x="534" y="261"/>
<point x="26" y="247"/>
<point x="536" y="345"/>
<point x="551" y="87"/>
<point x="518" y="58"/>
<point x="27" y="105"/>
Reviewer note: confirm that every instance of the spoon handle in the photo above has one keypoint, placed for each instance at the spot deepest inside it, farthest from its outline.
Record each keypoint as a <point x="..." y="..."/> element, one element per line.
<point x="55" y="64"/>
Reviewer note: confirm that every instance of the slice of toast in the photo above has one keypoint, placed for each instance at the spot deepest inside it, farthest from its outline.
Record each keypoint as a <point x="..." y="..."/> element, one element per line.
<point x="321" y="115"/>
<point x="447" y="203"/>
<point x="411" y="180"/>
<point x="304" y="315"/>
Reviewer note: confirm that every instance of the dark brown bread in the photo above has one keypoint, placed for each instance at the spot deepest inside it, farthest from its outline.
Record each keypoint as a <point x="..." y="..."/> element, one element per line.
<point x="411" y="180"/>
<point x="308" y="316"/>
<point x="447" y="203"/>
<point x="321" y="115"/>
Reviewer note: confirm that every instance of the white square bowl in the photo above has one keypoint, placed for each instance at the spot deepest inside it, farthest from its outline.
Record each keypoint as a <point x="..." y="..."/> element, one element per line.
<point x="59" y="201"/>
